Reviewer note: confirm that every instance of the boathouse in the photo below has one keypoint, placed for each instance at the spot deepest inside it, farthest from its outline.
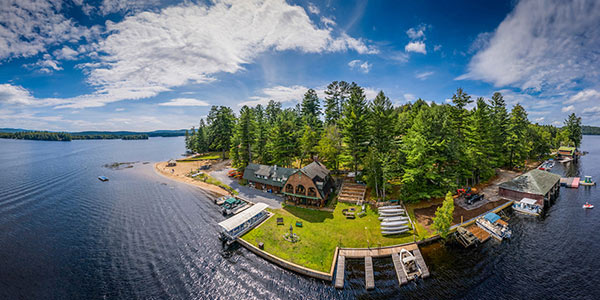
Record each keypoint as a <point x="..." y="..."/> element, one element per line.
<point x="539" y="185"/>
<point x="566" y="152"/>
<point x="310" y="185"/>
<point x="241" y="223"/>
<point x="267" y="178"/>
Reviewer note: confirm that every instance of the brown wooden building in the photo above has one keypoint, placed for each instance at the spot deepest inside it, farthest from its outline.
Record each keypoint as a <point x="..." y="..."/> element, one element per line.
<point x="268" y="178"/>
<point x="539" y="185"/>
<point x="310" y="185"/>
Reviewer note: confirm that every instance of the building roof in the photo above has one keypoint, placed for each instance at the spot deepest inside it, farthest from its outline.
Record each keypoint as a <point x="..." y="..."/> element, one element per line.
<point x="492" y="217"/>
<point x="535" y="182"/>
<point x="243" y="216"/>
<point x="315" y="169"/>
<point x="275" y="176"/>
<point x="567" y="149"/>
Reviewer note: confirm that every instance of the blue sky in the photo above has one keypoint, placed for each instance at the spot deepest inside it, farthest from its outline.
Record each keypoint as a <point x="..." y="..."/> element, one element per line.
<point x="153" y="64"/>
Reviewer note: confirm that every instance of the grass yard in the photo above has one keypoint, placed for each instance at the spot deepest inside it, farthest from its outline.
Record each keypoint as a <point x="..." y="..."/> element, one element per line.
<point x="321" y="232"/>
<point x="205" y="156"/>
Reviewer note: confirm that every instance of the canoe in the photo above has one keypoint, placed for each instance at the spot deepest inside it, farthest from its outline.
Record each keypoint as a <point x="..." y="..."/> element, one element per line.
<point x="390" y="232"/>
<point x="391" y="210"/>
<point x="390" y="207"/>
<point x="395" y="224"/>
<point x="391" y="219"/>
<point x="391" y="214"/>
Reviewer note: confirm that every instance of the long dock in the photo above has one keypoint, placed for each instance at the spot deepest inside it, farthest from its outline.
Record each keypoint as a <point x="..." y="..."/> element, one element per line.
<point x="399" y="270"/>
<point x="369" y="253"/>
<point x="339" y="273"/>
<point x="369" y="277"/>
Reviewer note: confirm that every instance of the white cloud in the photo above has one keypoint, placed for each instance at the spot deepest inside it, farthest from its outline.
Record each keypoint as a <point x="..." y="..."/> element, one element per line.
<point x="185" y="102"/>
<point x="294" y="93"/>
<point x="65" y="53"/>
<point x="119" y="109"/>
<point x="417" y="46"/>
<point x="568" y="108"/>
<point x="585" y="95"/>
<point x="313" y="9"/>
<point x="124" y="6"/>
<point x="591" y="110"/>
<point x="410" y="97"/>
<point x="12" y="94"/>
<point x="152" y="52"/>
<point x="364" y="67"/>
<point x="437" y="48"/>
<point x="539" y="120"/>
<point x="542" y="46"/>
<point x="424" y="75"/>
<point x="30" y="27"/>
<point x="328" y="22"/>
<point x="417" y="32"/>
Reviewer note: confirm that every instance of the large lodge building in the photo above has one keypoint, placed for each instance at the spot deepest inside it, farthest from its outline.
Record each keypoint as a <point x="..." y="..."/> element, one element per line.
<point x="310" y="185"/>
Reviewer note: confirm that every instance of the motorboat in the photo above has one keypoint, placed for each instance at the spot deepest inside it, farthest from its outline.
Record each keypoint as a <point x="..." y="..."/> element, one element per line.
<point x="587" y="180"/>
<point x="588" y="206"/>
<point x="494" y="225"/>
<point x="102" y="178"/>
<point x="527" y="206"/>
<point x="409" y="264"/>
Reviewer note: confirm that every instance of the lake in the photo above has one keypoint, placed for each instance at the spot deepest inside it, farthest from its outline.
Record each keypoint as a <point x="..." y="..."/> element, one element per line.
<point x="66" y="235"/>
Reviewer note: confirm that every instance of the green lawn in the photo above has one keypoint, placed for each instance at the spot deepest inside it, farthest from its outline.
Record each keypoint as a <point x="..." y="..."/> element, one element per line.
<point x="205" y="156"/>
<point x="320" y="234"/>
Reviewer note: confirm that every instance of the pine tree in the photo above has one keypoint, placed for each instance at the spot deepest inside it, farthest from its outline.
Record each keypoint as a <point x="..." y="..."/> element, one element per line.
<point x="354" y="127"/>
<point x="261" y="135"/>
<point x="516" y="144"/>
<point x="221" y="121"/>
<point x="245" y="135"/>
<point x="337" y="94"/>
<point x="381" y="123"/>
<point x="310" y="110"/>
<point x="329" y="147"/>
<point x="284" y="142"/>
<point x="499" y="127"/>
<point x="308" y="144"/>
<point x="573" y="129"/>
<point x="443" y="216"/>
<point x="201" y="139"/>
<point x="478" y="137"/>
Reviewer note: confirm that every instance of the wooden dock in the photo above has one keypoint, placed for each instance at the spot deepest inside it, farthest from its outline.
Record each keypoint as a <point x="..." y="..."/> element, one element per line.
<point x="399" y="269"/>
<point x="339" y="273"/>
<point x="479" y="233"/>
<point x="369" y="253"/>
<point x="421" y="262"/>
<point x="369" y="277"/>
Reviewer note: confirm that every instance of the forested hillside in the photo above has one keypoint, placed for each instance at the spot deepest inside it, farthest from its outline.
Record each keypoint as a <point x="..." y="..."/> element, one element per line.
<point x="425" y="148"/>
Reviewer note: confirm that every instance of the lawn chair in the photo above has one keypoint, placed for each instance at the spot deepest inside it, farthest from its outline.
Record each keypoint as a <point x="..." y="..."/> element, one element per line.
<point x="279" y="221"/>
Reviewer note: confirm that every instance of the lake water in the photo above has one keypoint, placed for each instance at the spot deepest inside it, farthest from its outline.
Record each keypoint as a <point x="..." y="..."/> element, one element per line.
<point x="66" y="235"/>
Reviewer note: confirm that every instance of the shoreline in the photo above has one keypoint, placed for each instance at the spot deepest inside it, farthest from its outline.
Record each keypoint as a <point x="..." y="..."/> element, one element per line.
<point x="161" y="169"/>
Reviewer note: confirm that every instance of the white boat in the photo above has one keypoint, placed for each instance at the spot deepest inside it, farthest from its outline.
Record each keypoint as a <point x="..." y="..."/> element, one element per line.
<point x="389" y="210"/>
<point x="588" y="206"/>
<point x="398" y="225"/>
<point x="527" y="206"/>
<point x="390" y="207"/>
<point x="587" y="181"/>
<point x="411" y="268"/>
<point x="391" y="219"/>
<point x="394" y="231"/>
<point x="495" y="226"/>
<point x="390" y="214"/>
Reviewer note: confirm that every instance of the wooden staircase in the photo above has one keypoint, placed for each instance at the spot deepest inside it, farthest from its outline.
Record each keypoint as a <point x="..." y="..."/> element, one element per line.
<point x="352" y="192"/>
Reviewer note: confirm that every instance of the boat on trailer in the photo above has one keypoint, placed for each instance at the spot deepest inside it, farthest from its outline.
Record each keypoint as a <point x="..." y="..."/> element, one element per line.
<point x="411" y="268"/>
<point x="527" y="206"/>
<point x="494" y="225"/>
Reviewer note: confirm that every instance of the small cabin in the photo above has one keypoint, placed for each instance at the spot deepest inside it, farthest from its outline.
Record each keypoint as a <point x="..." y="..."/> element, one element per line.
<point x="171" y="163"/>
<point x="566" y="152"/>
<point x="536" y="184"/>
<point x="310" y="185"/>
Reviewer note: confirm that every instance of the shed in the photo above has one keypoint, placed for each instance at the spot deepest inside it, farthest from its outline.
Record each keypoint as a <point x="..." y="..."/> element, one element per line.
<point x="171" y="163"/>
<point x="566" y="152"/>
<point x="542" y="186"/>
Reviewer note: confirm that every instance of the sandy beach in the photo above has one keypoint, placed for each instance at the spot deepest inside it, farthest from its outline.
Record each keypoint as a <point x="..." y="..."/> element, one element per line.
<point x="180" y="171"/>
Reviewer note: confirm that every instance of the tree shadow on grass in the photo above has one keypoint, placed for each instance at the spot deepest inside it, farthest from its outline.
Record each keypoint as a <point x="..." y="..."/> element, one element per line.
<point x="309" y="215"/>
